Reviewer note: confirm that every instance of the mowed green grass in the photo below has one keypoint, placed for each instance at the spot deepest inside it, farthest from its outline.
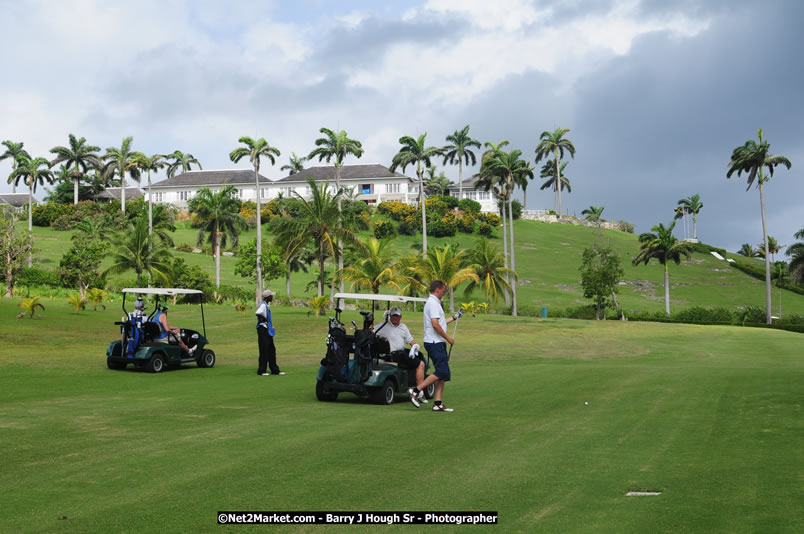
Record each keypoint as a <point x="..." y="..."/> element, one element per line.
<point x="547" y="260"/>
<point x="709" y="416"/>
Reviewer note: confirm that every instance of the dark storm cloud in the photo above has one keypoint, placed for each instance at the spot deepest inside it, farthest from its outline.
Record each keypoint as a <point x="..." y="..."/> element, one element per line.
<point x="666" y="117"/>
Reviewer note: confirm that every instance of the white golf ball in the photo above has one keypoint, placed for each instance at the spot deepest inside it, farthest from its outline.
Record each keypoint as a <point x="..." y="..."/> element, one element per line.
<point x="586" y="403"/>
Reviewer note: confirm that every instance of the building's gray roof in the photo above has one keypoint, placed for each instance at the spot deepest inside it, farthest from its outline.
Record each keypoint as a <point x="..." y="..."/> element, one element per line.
<point x="114" y="193"/>
<point x="348" y="172"/>
<point x="211" y="178"/>
<point x="16" y="200"/>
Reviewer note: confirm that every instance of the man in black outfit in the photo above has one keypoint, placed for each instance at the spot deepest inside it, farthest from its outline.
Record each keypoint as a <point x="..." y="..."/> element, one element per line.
<point x="265" y="337"/>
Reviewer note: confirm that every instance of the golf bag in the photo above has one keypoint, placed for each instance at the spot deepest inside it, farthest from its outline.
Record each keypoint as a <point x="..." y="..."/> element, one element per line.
<point x="339" y="344"/>
<point x="134" y="333"/>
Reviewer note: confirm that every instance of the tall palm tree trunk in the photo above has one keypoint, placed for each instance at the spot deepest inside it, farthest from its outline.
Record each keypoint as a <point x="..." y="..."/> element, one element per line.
<point x="30" y="224"/>
<point x="424" y="211"/>
<point x="558" y="184"/>
<point x="451" y="299"/>
<point x="695" y="226"/>
<point x="75" y="186"/>
<point x="506" y="294"/>
<point x="666" y="289"/>
<point x="460" y="179"/>
<point x="259" y="234"/>
<point x="123" y="191"/>
<point x="340" y="222"/>
<point x="321" y="269"/>
<point x="767" y="253"/>
<point x="150" y="207"/>
<point x="513" y="258"/>
<point x="217" y="249"/>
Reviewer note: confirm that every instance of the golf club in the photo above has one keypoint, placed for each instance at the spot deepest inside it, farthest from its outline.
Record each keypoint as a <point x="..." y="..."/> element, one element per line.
<point x="459" y="314"/>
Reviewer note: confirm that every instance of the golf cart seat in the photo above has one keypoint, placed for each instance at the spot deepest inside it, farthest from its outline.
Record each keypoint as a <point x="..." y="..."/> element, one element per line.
<point x="151" y="331"/>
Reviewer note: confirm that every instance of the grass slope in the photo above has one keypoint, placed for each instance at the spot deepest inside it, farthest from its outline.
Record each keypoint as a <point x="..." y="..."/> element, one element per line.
<point x="711" y="416"/>
<point x="547" y="260"/>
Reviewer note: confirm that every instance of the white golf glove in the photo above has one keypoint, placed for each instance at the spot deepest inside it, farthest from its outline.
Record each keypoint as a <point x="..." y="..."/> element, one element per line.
<point x="413" y="351"/>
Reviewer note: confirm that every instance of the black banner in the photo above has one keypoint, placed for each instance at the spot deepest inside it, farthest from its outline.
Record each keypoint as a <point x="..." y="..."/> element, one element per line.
<point x="357" y="518"/>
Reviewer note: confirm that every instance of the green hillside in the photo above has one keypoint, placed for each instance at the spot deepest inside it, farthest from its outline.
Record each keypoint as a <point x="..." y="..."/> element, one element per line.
<point x="547" y="260"/>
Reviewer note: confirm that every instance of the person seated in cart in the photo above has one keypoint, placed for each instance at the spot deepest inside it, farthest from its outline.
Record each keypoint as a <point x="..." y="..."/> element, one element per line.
<point x="165" y="330"/>
<point x="398" y="335"/>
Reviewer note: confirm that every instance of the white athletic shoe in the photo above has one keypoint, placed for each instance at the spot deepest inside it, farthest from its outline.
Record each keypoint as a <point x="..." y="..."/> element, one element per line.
<point x="442" y="408"/>
<point x="421" y="398"/>
<point x="413" y="397"/>
<point x="265" y="374"/>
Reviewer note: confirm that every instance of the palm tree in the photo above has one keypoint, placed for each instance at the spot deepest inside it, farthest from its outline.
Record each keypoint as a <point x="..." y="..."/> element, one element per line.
<point x="120" y="161"/>
<point x="436" y="185"/>
<point x="256" y="150"/>
<point x="748" y="251"/>
<point x="549" y="171"/>
<point x="318" y="223"/>
<point x="183" y="162"/>
<point x="78" y="155"/>
<point x="295" y="165"/>
<point x="373" y="267"/>
<point x="492" y="182"/>
<point x="796" y="253"/>
<point x="96" y="295"/>
<point x="489" y="265"/>
<point x="30" y="304"/>
<point x="663" y="246"/>
<point x="14" y="151"/>
<point x="512" y="170"/>
<point x="296" y="262"/>
<point x="336" y="146"/>
<point x="32" y="172"/>
<point x="219" y="215"/>
<point x="148" y="164"/>
<point x="135" y="250"/>
<point x="780" y="272"/>
<point x="449" y="265"/>
<point x="459" y="150"/>
<point x="554" y="144"/>
<point x="752" y="158"/>
<point x="593" y="213"/>
<point x="414" y="151"/>
<point x="692" y="205"/>
<point x="773" y="247"/>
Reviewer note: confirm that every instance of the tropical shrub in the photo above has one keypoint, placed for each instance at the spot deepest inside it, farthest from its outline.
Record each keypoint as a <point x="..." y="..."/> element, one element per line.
<point x="411" y="226"/>
<point x="492" y="219"/>
<point x="699" y="314"/>
<point x="319" y="304"/>
<point x="469" y="205"/>
<point x="442" y="228"/>
<point x="30" y="305"/>
<point x="398" y="211"/>
<point x="450" y="201"/>
<point x="33" y="276"/>
<point x="625" y="226"/>
<point x="384" y="229"/>
<point x="63" y="222"/>
<point x="466" y="224"/>
<point x="485" y="230"/>
<point x="77" y="302"/>
<point x="45" y="214"/>
<point x="436" y="208"/>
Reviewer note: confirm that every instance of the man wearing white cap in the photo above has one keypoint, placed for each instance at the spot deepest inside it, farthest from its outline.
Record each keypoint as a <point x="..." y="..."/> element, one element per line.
<point x="398" y="335"/>
<point x="265" y="337"/>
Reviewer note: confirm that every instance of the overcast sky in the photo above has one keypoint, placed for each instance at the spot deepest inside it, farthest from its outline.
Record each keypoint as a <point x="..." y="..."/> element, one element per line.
<point x="656" y="94"/>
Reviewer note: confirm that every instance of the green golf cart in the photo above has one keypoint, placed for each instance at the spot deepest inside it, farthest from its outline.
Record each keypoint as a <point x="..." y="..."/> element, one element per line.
<point x="140" y="343"/>
<point x="361" y="362"/>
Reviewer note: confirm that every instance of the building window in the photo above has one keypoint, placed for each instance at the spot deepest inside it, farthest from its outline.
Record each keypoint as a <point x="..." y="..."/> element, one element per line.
<point x="307" y="191"/>
<point x="392" y="188"/>
<point x="365" y="189"/>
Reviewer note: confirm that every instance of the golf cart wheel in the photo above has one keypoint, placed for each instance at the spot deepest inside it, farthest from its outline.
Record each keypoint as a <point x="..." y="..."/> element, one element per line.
<point x="156" y="364"/>
<point x="207" y="359"/>
<point x="323" y="394"/>
<point x="429" y="391"/>
<point x="385" y="394"/>
<point x="117" y="366"/>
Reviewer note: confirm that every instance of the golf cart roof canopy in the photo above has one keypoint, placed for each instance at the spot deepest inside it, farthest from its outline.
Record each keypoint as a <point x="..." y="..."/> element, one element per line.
<point x="161" y="291"/>
<point x="384" y="298"/>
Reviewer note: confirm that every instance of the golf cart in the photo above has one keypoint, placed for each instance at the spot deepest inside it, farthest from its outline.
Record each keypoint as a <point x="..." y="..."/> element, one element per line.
<point x="361" y="362"/>
<point x="139" y="344"/>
